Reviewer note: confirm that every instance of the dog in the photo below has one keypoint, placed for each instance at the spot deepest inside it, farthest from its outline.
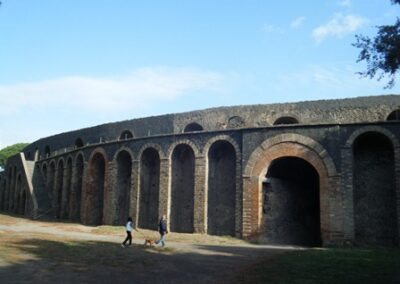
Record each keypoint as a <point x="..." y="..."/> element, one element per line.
<point x="148" y="242"/>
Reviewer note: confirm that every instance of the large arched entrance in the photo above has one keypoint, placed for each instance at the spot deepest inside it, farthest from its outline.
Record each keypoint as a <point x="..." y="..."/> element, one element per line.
<point x="221" y="189"/>
<point x="266" y="167"/>
<point x="95" y="190"/>
<point x="124" y="172"/>
<point x="149" y="188"/>
<point x="375" y="218"/>
<point x="182" y="189"/>
<point x="290" y="198"/>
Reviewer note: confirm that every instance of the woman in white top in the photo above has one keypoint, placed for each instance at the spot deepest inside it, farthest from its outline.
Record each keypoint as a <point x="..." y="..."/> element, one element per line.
<point x="128" y="238"/>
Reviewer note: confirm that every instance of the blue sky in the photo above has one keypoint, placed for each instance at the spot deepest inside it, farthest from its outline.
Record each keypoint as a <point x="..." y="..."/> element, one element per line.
<point x="66" y="65"/>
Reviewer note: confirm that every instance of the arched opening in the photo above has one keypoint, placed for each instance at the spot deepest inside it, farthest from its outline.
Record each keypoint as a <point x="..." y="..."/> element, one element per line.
<point x="182" y="189"/>
<point x="76" y="192"/>
<point x="95" y="191"/>
<point x="149" y="189"/>
<point x="7" y="190"/>
<point x="286" y="120"/>
<point x="51" y="183"/>
<point x="291" y="207"/>
<point x="17" y="194"/>
<point x="124" y="172"/>
<point x="13" y="189"/>
<point x="79" y="143"/>
<point x="394" y="115"/>
<point x="126" y="135"/>
<point x="66" y="195"/>
<point x="22" y="205"/>
<point x="58" y="190"/>
<point x="374" y="197"/>
<point x="221" y="189"/>
<point x="47" y="151"/>
<point x="44" y="173"/>
<point x="192" y="127"/>
<point x="236" y="122"/>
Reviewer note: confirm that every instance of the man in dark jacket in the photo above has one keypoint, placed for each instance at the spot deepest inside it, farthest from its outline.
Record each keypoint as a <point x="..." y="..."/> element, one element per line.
<point x="162" y="229"/>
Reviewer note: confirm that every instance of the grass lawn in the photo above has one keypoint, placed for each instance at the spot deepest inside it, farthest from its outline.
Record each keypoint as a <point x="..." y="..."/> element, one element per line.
<point x="331" y="265"/>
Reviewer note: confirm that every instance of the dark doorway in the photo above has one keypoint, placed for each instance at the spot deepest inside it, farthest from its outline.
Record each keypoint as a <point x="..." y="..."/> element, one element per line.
<point x="291" y="210"/>
<point x="182" y="191"/>
<point x="95" y="193"/>
<point x="22" y="204"/>
<point x="76" y="192"/>
<point x="50" y="183"/>
<point x="374" y="196"/>
<point x="59" y="189"/>
<point x="18" y="195"/>
<point x="66" y="195"/>
<point x="149" y="189"/>
<point x="124" y="172"/>
<point x="221" y="189"/>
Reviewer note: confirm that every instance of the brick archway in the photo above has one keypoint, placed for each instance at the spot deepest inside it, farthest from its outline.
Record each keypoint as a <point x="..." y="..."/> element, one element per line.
<point x="362" y="130"/>
<point x="95" y="195"/>
<point x="290" y="145"/>
<point x="78" y="169"/>
<point x="238" y="182"/>
<point x="149" y="178"/>
<point x="347" y="157"/>
<point x="187" y="142"/>
<point x="155" y="146"/>
<point x="182" y="188"/>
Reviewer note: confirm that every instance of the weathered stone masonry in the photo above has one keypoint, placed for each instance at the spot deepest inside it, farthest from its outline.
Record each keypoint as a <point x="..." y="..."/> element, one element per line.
<point x="308" y="173"/>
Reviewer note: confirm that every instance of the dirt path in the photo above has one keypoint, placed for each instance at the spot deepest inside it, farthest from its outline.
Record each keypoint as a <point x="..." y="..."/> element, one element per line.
<point x="44" y="252"/>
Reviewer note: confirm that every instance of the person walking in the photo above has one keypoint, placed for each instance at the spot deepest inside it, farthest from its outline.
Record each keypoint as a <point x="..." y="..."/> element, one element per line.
<point x="128" y="238"/>
<point x="162" y="229"/>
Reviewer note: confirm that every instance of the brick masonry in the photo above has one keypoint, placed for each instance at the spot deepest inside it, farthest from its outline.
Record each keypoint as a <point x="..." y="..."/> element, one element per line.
<point x="48" y="185"/>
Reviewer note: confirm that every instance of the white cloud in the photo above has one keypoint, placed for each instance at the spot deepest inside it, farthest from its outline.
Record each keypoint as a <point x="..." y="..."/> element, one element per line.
<point x="298" y="22"/>
<point x="318" y="82"/>
<point x="339" y="26"/>
<point x="345" y="3"/>
<point x="138" y="89"/>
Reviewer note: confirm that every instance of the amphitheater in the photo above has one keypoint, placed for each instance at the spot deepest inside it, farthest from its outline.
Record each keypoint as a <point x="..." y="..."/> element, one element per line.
<point x="313" y="173"/>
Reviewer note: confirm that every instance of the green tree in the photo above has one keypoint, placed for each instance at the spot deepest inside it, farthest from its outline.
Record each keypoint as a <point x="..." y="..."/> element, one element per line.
<point x="382" y="53"/>
<point x="9" y="151"/>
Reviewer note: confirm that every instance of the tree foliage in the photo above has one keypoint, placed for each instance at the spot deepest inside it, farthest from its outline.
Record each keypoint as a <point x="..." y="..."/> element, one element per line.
<point x="9" y="151"/>
<point x="382" y="53"/>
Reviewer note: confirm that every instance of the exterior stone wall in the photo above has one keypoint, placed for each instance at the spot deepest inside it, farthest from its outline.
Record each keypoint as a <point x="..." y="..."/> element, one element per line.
<point x="211" y="178"/>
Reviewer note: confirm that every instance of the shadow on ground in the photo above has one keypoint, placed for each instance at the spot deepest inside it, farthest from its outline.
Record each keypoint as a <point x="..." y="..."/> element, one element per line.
<point x="49" y="261"/>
